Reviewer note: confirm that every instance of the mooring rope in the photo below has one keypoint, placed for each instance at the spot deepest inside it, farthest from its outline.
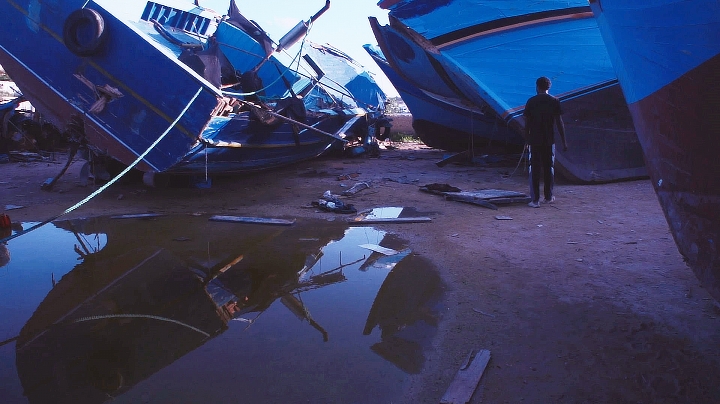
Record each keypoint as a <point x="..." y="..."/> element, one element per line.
<point x="522" y="155"/>
<point x="295" y="59"/>
<point x="112" y="181"/>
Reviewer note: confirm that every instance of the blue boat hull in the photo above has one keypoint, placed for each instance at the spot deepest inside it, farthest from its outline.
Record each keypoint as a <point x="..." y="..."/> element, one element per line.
<point x="440" y="123"/>
<point x="161" y="63"/>
<point x="669" y="69"/>
<point x="492" y="62"/>
<point x="242" y="144"/>
<point x="56" y="81"/>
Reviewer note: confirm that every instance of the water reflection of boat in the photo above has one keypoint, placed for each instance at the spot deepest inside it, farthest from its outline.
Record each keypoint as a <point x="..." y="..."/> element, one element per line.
<point x="491" y="53"/>
<point x="406" y="312"/>
<point x="141" y="302"/>
<point x="667" y="58"/>
<point x="197" y="91"/>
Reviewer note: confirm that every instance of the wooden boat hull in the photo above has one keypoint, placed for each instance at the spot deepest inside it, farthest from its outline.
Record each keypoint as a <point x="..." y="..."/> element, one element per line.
<point x="447" y="124"/>
<point x="122" y="97"/>
<point x="56" y="81"/>
<point x="669" y="69"/>
<point x="491" y="57"/>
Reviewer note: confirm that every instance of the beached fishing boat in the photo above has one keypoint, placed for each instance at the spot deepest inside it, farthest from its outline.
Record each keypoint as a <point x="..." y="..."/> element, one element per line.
<point x="491" y="53"/>
<point x="343" y="70"/>
<point x="667" y="58"/>
<point x="446" y="123"/>
<point x="171" y="86"/>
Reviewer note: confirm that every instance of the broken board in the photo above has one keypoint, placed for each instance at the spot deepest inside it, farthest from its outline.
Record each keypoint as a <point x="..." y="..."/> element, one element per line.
<point x="466" y="380"/>
<point x="462" y="156"/>
<point x="379" y="249"/>
<point x="137" y="216"/>
<point x="256" y="220"/>
<point x="485" y="196"/>
<point x="374" y="220"/>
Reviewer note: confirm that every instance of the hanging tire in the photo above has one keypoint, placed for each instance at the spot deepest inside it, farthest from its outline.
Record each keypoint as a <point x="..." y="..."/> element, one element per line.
<point x="84" y="32"/>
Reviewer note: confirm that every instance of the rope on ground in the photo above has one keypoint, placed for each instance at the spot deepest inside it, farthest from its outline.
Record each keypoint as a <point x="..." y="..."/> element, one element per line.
<point x="112" y="181"/>
<point x="522" y="155"/>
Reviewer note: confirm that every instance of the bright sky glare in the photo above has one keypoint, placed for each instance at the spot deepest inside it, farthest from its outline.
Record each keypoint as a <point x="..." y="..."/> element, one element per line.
<point x="345" y="25"/>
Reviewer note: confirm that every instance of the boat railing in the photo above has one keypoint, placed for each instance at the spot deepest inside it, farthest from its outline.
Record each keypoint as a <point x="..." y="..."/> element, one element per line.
<point x="173" y="17"/>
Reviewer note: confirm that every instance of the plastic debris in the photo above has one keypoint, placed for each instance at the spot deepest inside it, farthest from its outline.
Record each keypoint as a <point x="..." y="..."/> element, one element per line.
<point x="332" y="203"/>
<point x="356" y="188"/>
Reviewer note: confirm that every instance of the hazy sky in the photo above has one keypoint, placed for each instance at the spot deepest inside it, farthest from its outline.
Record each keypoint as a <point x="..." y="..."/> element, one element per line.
<point x="345" y="25"/>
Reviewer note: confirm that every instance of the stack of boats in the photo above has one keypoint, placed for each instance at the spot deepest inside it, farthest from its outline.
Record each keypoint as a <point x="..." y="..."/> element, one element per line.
<point x="466" y="68"/>
<point x="638" y="82"/>
<point x="172" y="87"/>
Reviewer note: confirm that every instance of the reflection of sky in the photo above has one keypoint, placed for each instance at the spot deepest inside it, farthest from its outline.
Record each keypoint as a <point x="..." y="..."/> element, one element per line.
<point x="24" y="282"/>
<point x="385" y="212"/>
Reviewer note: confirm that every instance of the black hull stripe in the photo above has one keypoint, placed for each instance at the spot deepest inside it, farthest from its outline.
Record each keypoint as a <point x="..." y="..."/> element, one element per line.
<point x="516" y="112"/>
<point x="504" y="22"/>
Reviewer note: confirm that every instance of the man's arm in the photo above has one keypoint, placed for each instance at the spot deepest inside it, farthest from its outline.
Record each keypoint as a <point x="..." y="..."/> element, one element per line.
<point x="561" y="130"/>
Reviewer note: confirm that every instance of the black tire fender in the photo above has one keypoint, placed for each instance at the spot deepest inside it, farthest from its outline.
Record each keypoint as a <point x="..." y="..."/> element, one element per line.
<point x="84" y="32"/>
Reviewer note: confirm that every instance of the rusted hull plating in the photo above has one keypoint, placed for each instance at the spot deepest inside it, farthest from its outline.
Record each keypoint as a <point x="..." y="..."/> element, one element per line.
<point x="679" y="128"/>
<point x="669" y="68"/>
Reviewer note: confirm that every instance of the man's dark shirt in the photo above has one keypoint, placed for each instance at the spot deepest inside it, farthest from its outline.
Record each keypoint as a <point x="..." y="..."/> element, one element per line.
<point x="540" y="113"/>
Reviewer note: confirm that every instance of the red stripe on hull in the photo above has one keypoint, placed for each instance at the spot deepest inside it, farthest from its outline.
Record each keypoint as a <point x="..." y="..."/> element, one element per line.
<point x="679" y="129"/>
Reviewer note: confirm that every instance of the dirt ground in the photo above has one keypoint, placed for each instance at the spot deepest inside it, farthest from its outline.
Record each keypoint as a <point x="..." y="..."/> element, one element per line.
<point x="583" y="301"/>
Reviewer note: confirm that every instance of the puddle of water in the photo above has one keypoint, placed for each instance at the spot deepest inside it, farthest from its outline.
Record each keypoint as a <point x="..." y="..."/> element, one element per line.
<point x="183" y="309"/>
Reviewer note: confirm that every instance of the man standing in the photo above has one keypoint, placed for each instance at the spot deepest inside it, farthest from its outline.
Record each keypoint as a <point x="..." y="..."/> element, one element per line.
<point x="542" y="115"/>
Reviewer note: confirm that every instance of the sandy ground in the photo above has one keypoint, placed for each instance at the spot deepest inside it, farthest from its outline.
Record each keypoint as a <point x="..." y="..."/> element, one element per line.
<point x="583" y="301"/>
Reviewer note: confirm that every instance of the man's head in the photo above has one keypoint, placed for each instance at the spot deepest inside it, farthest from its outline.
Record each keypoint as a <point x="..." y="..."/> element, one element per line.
<point x="543" y="84"/>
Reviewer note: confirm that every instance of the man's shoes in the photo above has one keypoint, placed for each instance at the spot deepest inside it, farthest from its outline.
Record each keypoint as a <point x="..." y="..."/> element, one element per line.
<point x="533" y="204"/>
<point x="551" y="200"/>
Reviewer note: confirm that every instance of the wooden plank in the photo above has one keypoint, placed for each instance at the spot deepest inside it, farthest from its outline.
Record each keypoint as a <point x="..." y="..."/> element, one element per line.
<point x="374" y="220"/>
<point x="487" y="194"/>
<point x="466" y="380"/>
<point x="380" y="249"/>
<point x="480" y="202"/>
<point x="462" y="156"/>
<point x="488" y="198"/>
<point x="256" y="220"/>
<point x="507" y="201"/>
<point x="137" y="216"/>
